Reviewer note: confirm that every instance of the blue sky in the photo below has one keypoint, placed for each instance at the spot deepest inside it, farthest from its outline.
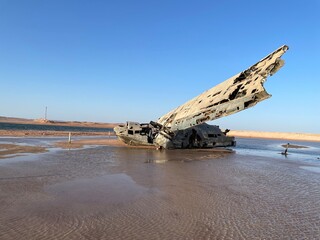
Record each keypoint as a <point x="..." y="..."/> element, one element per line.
<point x="112" y="61"/>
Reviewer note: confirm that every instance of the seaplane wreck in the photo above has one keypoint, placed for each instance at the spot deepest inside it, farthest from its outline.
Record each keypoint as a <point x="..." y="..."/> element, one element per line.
<point x="185" y="126"/>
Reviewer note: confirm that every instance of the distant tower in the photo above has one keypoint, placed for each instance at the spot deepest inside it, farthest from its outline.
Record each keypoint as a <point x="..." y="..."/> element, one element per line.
<point x="45" y="114"/>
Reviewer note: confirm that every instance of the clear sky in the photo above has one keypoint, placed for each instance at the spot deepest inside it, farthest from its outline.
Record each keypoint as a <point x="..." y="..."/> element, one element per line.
<point x="112" y="61"/>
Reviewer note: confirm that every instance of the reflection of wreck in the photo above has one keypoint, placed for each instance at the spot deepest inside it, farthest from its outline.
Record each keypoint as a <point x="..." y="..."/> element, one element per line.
<point x="185" y="127"/>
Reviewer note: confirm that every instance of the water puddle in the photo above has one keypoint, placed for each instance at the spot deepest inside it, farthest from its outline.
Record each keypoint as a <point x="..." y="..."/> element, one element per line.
<point x="97" y="191"/>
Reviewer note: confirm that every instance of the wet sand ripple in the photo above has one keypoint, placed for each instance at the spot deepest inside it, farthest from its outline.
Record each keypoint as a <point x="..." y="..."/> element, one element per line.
<point x="112" y="193"/>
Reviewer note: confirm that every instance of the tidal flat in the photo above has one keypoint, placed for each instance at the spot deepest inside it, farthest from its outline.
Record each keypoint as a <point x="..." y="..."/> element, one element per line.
<point x="114" y="192"/>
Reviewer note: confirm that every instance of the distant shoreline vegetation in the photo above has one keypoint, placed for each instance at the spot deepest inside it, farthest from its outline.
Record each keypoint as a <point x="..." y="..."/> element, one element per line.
<point x="44" y="127"/>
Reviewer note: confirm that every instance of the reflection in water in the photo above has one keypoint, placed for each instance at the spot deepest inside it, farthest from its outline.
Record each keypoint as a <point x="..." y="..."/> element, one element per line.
<point x="185" y="155"/>
<point x="107" y="189"/>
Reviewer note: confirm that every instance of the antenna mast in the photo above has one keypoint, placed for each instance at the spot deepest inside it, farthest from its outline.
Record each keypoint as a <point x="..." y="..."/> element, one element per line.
<point x="45" y="114"/>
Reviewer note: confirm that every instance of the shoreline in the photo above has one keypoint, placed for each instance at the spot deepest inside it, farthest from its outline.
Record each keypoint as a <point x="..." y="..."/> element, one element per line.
<point x="234" y="133"/>
<point x="46" y="133"/>
<point x="38" y="133"/>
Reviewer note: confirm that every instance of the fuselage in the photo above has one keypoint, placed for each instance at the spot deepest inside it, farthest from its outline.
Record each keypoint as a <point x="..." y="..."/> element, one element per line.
<point x="200" y="136"/>
<point x="185" y="126"/>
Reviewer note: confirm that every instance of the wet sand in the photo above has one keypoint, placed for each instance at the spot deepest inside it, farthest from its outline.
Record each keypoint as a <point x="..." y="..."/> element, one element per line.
<point x="109" y="141"/>
<point x="292" y="146"/>
<point x="12" y="150"/>
<point x="112" y="192"/>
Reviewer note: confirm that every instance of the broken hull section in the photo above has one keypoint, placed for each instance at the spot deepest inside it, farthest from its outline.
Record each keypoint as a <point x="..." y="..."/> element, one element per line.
<point x="134" y="141"/>
<point x="201" y="136"/>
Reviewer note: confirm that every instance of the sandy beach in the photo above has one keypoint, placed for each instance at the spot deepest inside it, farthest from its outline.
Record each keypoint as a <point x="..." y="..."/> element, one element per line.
<point x="115" y="192"/>
<point x="275" y="135"/>
<point x="7" y="150"/>
<point x="56" y="122"/>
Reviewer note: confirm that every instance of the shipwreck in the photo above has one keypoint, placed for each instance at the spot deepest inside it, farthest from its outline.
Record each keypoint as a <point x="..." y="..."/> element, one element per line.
<point x="186" y="127"/>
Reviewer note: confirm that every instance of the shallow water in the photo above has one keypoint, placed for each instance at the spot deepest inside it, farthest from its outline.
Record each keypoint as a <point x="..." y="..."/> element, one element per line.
<point x="44" y="127"/>
<point x="127" y="193"/>
<point x="45" y="141"/>
<point x="273" y="148"/>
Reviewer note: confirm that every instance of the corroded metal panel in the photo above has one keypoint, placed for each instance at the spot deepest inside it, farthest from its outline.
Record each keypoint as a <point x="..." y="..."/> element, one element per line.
<point x="239" y="92"/>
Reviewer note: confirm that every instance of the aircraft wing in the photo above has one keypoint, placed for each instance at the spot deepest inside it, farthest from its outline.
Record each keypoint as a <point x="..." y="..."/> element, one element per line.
<point x="239" y="92"/>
